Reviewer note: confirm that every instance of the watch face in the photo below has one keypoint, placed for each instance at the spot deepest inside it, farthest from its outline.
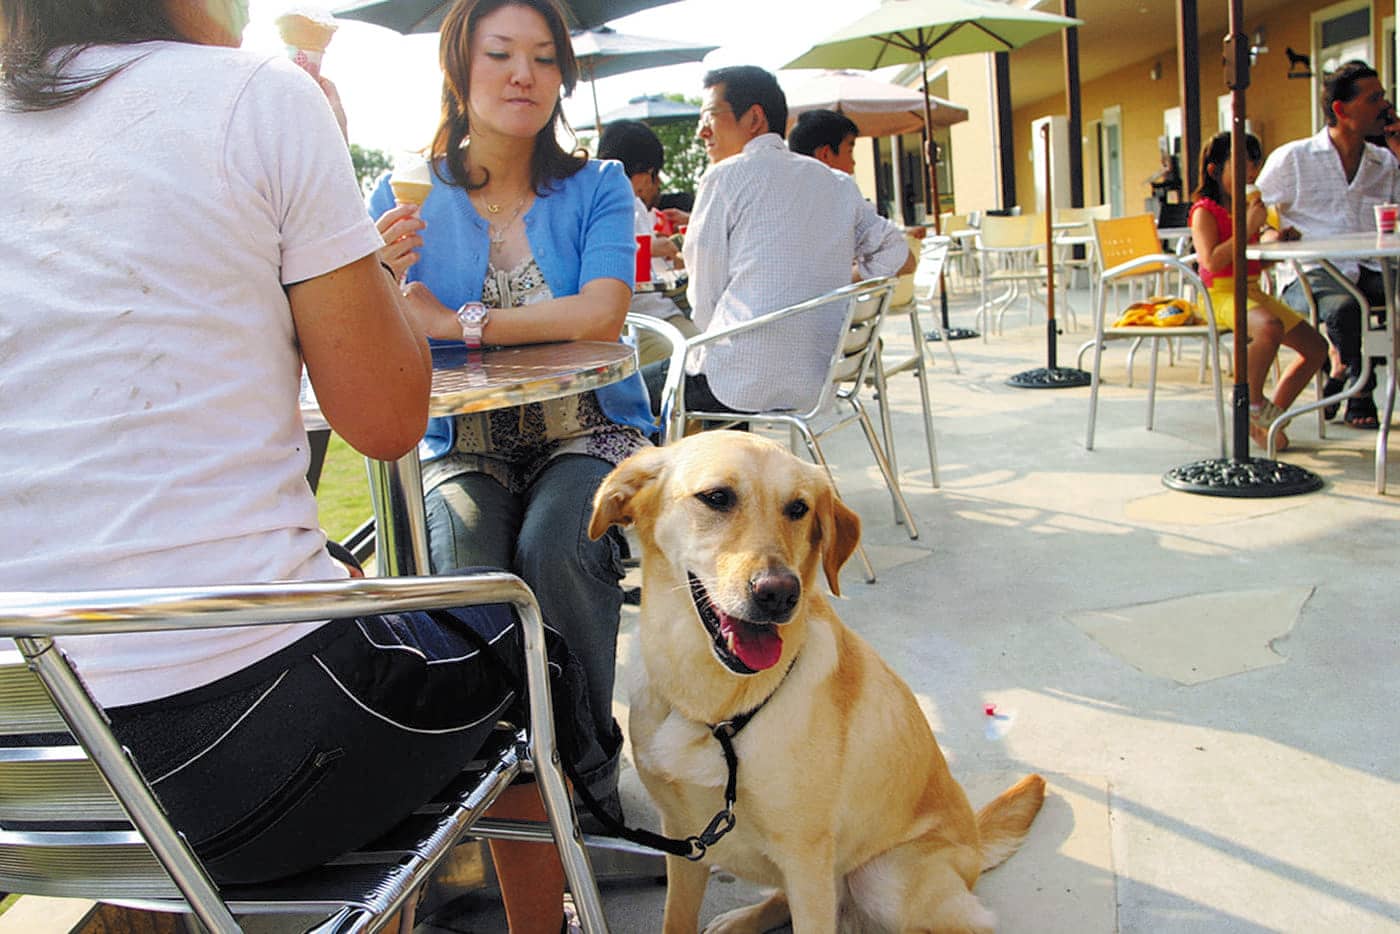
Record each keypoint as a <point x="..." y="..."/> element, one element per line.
<point x="472" y="313"/>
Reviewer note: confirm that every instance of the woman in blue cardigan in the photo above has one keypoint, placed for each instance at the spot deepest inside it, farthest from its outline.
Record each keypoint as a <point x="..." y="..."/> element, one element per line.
<point x="529" y="244"/>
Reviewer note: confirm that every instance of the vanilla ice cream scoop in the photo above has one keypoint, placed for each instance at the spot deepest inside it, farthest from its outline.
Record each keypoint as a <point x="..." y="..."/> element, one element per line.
<point x="412" y="183"/>
<point x="306" y="33"/>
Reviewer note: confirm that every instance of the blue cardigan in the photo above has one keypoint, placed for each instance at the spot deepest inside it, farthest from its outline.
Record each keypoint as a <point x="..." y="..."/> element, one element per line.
<point x="579" y="230"/>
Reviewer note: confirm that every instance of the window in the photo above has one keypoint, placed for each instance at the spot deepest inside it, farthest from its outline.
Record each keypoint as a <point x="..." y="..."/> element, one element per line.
<point x="1341" y="32"/>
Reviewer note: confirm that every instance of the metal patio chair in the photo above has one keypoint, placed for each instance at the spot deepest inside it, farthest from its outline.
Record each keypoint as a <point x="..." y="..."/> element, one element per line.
<point x="78" y="820"/>
<point x="855" y="312"/>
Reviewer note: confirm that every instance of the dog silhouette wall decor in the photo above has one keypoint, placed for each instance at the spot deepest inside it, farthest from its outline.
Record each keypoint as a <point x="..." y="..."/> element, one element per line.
<point x="1298" y="64"/>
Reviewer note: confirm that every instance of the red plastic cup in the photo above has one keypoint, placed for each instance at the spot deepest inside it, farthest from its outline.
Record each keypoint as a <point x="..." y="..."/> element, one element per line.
<point x="1386" y="217"/>
<point x="643" y="271"/>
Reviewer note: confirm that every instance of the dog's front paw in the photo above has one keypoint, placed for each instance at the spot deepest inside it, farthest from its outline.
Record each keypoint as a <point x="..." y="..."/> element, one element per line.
<point x="754" y="919"/>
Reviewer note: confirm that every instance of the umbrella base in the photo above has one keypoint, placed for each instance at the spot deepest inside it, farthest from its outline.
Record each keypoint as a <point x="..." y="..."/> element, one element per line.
<point x="1056" y="377"/>
<point x="1255" y="477"/>
<point x="952" y="334"/>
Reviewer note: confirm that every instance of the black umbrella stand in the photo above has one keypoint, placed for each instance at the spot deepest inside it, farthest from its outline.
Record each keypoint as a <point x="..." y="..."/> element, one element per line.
<point x="1050" y="376"/>
<point x="1240" y="475"/>
<point x="934" y="208"/>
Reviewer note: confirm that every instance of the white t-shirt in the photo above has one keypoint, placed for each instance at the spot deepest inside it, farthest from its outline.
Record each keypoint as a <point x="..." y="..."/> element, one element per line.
<point x="149" y="428"/>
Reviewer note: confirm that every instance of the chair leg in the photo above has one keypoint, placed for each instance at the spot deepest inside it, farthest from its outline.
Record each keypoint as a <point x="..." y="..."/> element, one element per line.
<point x="882" y="390"/>
<point x="921" y="373"/>
<point x="1152" y="380"/>
<point x="891" y="480"/>
<point x="816" y="451"/>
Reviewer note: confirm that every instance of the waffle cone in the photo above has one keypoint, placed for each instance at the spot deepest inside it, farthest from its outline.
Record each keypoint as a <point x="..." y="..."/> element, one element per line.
<point x="303" y="32"/>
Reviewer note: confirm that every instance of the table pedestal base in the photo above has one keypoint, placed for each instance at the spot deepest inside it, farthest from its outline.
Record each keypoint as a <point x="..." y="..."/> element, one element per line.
<point x="1255" y="477"/>
<point x="952" y="334"/>
<point x="1050" y="377"/>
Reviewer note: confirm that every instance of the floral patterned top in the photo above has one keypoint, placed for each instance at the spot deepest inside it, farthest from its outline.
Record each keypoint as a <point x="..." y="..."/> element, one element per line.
<point x="513" y="445"/>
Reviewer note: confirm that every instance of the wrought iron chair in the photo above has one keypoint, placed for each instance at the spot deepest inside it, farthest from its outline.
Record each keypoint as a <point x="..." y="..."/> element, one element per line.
<point x="77" y="818"/>
<point x="860" y="310"/>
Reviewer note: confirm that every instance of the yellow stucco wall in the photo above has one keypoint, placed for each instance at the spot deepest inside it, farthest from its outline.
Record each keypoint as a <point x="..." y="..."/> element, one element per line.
<point x="1279" y="108"/>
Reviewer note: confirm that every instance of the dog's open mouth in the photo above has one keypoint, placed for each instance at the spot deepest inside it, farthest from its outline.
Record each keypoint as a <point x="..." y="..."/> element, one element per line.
<point x="742" y="646"/>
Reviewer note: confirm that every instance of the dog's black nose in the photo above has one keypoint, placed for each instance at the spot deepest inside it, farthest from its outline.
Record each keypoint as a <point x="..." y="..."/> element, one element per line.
<point x="774" y="595"/>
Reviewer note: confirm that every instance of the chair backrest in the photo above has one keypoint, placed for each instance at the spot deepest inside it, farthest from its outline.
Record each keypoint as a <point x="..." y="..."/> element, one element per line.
<point x="904" y="285"/>
<point x="77" y="818"/>
<point x="1083" y="215"/>
<point x="1022" y="231"/>
<point x="952" y="223"/>
<point x="932" y="257"/>
<point x="860" y="345"/>
<point x="1121" y="239"/>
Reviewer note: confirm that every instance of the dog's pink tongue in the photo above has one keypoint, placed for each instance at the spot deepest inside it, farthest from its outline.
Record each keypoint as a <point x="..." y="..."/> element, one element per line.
<point x="759" y="647"/>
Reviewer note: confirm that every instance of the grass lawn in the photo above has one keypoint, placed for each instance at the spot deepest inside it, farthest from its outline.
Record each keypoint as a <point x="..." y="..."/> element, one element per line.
<point x="6" y="902"/>
<point x="343" y="494"/>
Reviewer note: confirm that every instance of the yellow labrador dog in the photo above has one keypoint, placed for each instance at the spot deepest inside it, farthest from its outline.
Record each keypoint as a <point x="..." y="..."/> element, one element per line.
<point x="844" y="801"/>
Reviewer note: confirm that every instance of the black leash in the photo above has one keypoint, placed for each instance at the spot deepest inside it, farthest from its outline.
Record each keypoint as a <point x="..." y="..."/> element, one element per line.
<point x="693" y="847"/>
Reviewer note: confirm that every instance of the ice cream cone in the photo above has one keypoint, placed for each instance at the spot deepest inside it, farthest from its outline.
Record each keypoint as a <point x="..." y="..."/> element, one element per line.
<point x="412" y="182"/>
<point x="306" y="37"/>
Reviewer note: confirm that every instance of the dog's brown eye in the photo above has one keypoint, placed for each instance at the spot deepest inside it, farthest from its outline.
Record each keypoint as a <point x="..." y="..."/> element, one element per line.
<point x="720" y="500"/>
<point x="796" y="509"/>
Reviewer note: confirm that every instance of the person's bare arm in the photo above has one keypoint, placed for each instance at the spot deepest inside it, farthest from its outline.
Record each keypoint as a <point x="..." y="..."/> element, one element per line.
<point x="597" y="313"/>
<point x="370" y="366"/>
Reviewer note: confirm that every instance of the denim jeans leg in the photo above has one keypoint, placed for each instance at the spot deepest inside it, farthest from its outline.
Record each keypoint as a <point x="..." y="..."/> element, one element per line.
<point x="575" y="579"/>
<point x="473" y="521"/>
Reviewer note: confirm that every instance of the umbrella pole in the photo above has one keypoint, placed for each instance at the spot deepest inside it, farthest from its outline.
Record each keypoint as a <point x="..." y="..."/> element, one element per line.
<point x="932" y="206"/>
<point x="597" y="117"/>
<point x="1050" y="376"/>
<point x="1240" y="475"/>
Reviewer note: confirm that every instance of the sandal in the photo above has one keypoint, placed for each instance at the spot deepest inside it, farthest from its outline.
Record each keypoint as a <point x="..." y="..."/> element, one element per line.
<point x="1361" y="413"/>
<point x="1334" y="385"/>
<point x="1259" y="421"/>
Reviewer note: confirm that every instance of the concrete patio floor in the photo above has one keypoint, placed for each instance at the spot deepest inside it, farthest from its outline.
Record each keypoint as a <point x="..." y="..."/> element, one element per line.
<point x="1209" y="685"/>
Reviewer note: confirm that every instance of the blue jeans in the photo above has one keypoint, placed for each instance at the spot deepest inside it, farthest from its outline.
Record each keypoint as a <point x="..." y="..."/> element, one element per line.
<point x="1338" y="311"/>
<point x="542" y="536"/>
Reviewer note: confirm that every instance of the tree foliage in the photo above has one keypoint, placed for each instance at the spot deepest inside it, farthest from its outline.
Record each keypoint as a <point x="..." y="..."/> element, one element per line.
<point x="369" y="164"/>
<point x="685" y="153"/>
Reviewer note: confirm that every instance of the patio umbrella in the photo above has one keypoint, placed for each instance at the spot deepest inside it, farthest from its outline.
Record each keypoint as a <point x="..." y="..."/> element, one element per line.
<point x="878" y="108"/>
<point x="651" y="109"/>
<point x="426" y="15"/>
<point x="604" y="52"/>
<point x="905" y="31"/>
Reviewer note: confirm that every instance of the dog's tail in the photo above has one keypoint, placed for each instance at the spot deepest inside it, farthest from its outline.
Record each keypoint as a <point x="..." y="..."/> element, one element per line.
<point x="1002" y="824"/>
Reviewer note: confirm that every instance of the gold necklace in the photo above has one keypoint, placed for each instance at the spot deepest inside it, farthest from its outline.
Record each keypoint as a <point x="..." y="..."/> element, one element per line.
<point x="497" y="235"/>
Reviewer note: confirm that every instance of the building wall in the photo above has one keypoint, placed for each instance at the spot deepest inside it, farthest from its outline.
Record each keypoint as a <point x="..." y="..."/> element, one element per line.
<point x="976" y="184"/>
<point x="1279" y="108"/>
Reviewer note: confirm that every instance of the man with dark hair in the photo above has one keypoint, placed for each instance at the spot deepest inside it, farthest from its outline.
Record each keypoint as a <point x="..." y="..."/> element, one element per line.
<point x="637" y="147"/>
<point x="827" y="136"/>
<point x="770" y="229"/>
<point x="1326" y="185"/>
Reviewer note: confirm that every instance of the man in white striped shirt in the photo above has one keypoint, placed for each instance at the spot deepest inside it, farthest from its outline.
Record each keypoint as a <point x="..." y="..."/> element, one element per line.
<point x="770" y="228"/>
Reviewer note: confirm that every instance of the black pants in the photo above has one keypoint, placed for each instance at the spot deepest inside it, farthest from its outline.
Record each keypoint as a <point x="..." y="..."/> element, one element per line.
<point x="1337" y="309"/>
<point x="329" y="743"/>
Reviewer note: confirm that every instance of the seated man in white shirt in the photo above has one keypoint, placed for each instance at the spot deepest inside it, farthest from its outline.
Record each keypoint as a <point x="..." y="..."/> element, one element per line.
<point x="633" y="143"/>
<point x="827" y="136"/>
<point x="770" y="229"/>
<point x="1326" y="185"/>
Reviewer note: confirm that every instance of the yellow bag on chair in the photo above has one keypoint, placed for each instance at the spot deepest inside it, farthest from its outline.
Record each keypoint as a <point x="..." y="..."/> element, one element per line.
<point x="1159" y="311"/>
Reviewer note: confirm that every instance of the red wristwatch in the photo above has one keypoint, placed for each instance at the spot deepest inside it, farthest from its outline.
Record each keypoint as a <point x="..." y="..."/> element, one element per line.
<point x="473" y="317"/>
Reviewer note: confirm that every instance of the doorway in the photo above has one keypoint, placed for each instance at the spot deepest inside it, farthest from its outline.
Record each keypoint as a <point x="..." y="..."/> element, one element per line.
<point x="1111" y="156"/>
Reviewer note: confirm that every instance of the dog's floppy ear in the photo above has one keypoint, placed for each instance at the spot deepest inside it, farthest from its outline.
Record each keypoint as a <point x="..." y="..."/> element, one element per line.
<point x="619" y="495"/>
<point x="840" y="532"/>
